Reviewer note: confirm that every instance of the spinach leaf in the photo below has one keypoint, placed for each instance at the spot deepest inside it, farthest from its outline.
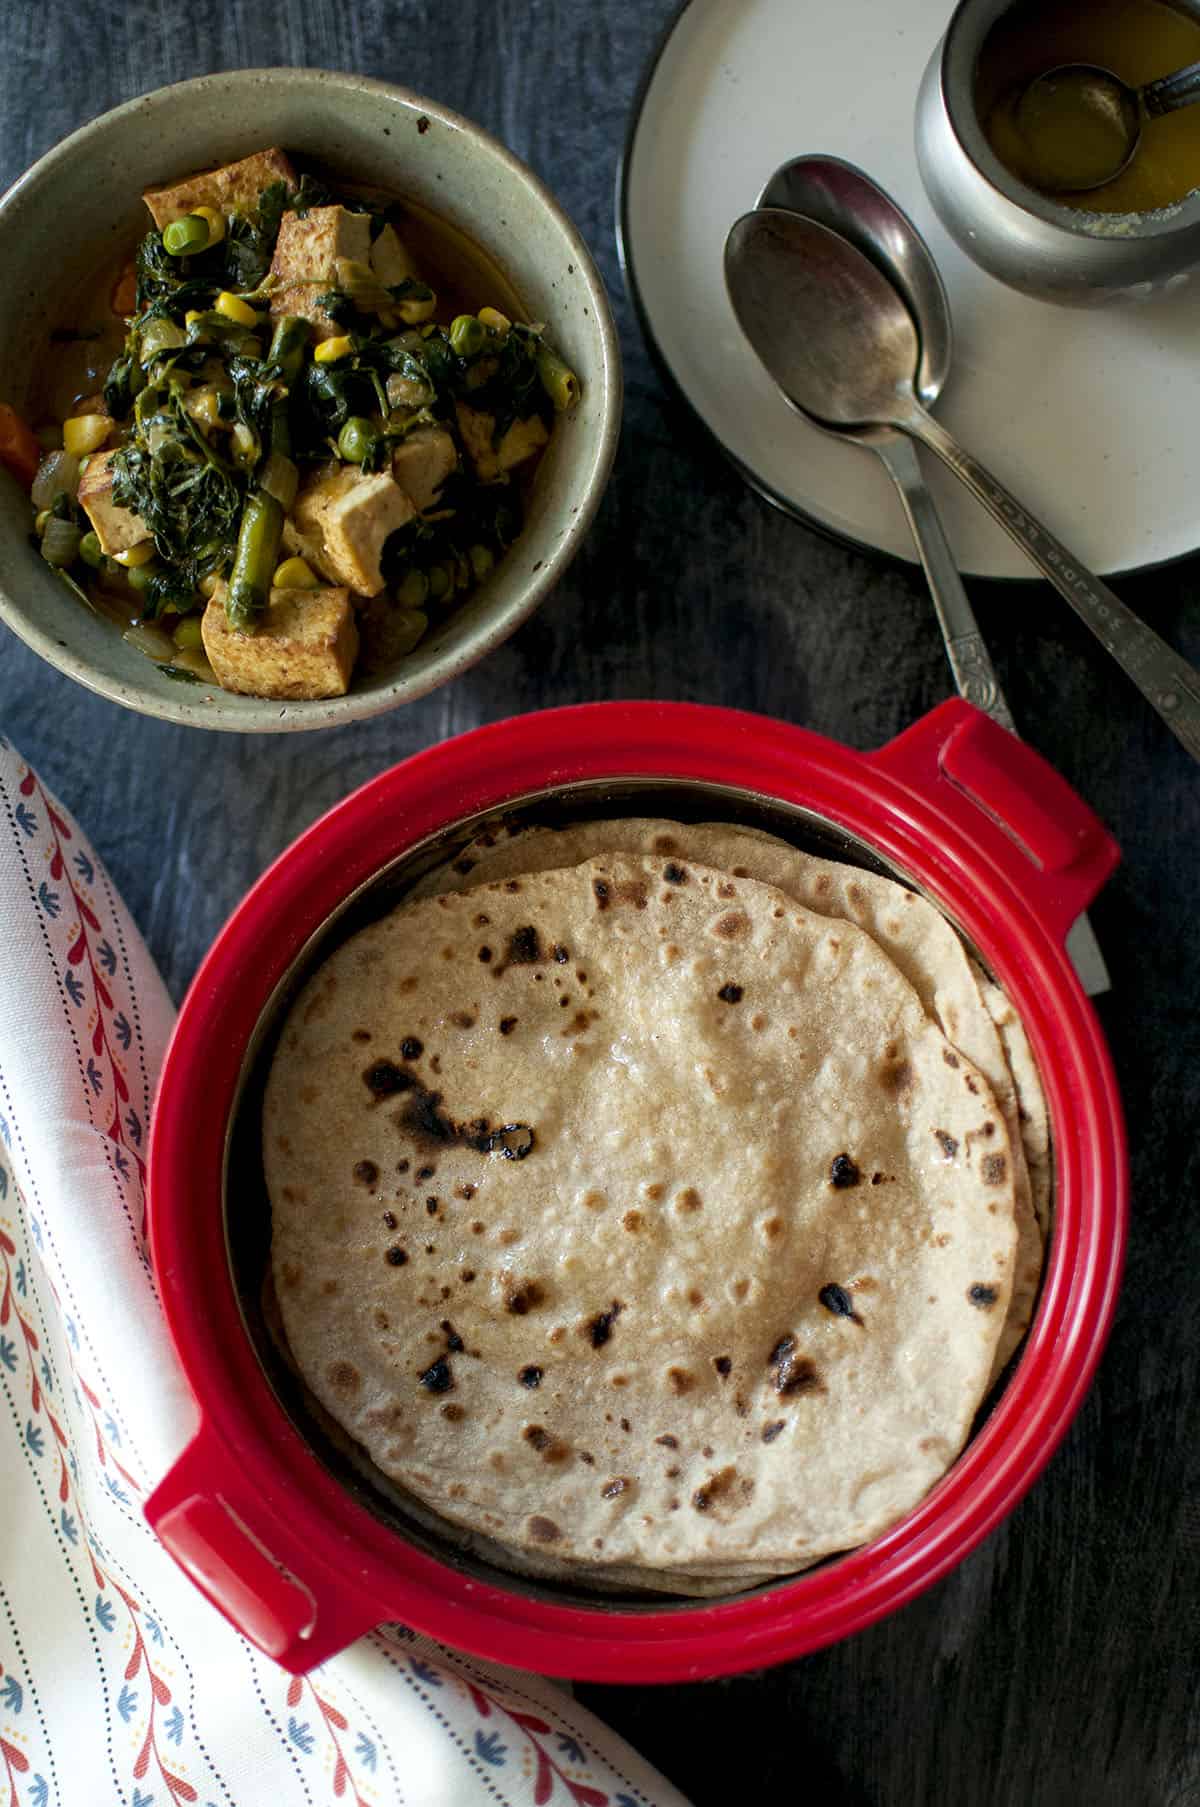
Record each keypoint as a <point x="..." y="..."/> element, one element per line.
<point x="188" y="496"/>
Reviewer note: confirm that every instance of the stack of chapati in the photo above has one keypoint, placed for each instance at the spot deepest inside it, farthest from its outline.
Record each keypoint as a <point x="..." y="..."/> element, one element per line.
<point x="654" y="1202"/>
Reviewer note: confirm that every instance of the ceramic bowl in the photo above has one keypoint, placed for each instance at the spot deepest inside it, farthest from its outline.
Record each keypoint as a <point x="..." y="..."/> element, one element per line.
<point x="1032" y="243"/>
<point x="357" y="130"/>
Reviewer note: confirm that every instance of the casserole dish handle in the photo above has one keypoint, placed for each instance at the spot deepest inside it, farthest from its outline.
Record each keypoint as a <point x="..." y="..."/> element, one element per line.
<point x="251" y="1565"/>
<point x="1011" y="804"/>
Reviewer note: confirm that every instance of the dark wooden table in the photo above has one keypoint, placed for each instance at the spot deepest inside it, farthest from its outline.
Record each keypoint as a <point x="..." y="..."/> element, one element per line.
<point x="1059" y="1664"/>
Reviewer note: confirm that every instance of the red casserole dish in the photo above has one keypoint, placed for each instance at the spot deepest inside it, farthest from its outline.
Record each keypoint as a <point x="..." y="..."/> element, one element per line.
<point x="303" y="1563"/>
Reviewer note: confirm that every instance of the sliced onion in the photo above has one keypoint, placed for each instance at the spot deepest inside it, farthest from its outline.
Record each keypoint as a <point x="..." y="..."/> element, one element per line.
<point x="60" y="542"/>
<point x="152" y="641"/>
<point x="57" y="475"/>
<point x="193" y="660"/>
<point x="280" y="479"/>
<point x="159" y="335"/>
<point x="408" y="391"/>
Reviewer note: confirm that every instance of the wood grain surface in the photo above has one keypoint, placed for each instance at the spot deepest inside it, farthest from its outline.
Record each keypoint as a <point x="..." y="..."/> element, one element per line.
<point x="1058" y="1665"/>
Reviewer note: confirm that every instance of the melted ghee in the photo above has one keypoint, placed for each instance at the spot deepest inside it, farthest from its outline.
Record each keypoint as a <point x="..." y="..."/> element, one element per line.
<point x="1138" y="40"/>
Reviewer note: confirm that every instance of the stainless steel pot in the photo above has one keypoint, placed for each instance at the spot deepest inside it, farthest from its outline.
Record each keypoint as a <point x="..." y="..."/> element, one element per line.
<point x="1056" y="253"/>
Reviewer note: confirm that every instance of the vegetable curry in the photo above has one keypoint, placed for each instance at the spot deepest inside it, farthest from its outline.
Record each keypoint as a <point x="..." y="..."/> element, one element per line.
<point x="305" y="449"/>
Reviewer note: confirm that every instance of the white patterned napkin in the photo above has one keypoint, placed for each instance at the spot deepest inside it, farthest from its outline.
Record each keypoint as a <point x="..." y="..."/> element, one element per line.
<point x="118" y="1682"/>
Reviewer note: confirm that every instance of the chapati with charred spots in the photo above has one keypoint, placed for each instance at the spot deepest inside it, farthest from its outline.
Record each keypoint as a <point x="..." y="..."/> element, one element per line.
<point x="630" y="1215"/>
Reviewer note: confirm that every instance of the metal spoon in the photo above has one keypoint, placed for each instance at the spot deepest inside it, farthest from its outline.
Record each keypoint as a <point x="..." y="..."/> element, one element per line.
<point x="841" y="344"/>
<point x="839" y="195"/>
<point x="1096" y="119"/>
<point x="844" y="198"/>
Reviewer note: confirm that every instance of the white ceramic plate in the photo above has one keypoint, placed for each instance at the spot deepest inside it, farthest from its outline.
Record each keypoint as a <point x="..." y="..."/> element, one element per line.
<point x="1091" y="417"/>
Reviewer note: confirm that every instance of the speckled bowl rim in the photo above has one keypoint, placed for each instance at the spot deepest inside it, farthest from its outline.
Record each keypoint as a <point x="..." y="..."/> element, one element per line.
<point x="491" y="630"/>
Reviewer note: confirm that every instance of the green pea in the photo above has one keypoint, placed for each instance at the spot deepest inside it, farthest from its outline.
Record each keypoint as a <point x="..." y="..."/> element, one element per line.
<point x="138" y="576"/>
<point x="356" y="439"/>
<point x="183" y="238"/>
<point x="411" y="593"/>
<point x="187" y="633"/>
<point x="482" y="559"/>
<point x="468" y="336"/>
<point x="440" y="583"/>
<point x="91" y="551"/>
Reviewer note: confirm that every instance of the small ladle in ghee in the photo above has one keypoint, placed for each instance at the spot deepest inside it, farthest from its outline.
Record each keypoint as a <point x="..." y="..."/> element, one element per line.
<point x="1082" y="124"/>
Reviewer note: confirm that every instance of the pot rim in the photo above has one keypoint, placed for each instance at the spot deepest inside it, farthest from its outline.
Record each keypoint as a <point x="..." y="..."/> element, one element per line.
<point x="907" y="801"/>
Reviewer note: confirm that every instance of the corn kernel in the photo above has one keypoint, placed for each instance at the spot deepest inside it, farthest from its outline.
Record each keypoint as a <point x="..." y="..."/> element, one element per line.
<point x="85" y="432"/>
<point x="193" y="316"/>
<point x="234" y="308"/>
<point x="215" y="222"/>
<point x="491" y="316"/>
<point x="294" y="574"/>
<point x="330" y="350"/>
<point x="141" y="554"/>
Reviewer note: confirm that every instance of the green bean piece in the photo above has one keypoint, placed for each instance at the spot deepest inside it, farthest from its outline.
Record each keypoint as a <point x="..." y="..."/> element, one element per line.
<point x="91" y="551"/>
<point x="468" y="336"/>
<point x="482" y="559"/>
<point x="183" y="238"/>
<point x="254" y="562"/>
<point x="413" y="590"/>
<point x="356" y="439"/>
<point x="187" y="633"/>
<point x="558" y="379"/>
<point x="288" y="345"/>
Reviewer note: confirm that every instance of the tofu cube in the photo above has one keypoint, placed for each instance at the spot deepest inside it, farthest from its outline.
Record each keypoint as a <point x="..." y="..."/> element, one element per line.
<point x="307" y="546"/>
<point x="345" y="518"/>
<point x="117" y="529"/>
<point x="305" y="646"/>
<point x="305" y="261"/>
<point x="523" y="440"/>
<point x="391" y="259"/>
<point x="422" y="463"/>
<point x="234" y="188"/>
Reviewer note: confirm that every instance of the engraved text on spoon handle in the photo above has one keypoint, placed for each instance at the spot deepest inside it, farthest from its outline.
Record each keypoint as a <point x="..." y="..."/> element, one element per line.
<point x="1169" y="684"/>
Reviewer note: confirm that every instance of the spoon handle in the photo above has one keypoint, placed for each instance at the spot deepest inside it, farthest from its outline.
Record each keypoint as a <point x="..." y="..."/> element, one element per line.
<point x="1169" y="684"/>
<point x="974" y="674"/>
<point x="1171" y="91"/>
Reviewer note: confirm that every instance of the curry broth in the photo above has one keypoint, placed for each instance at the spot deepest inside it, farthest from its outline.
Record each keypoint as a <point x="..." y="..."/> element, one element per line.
<point x="1139" y="40"/>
